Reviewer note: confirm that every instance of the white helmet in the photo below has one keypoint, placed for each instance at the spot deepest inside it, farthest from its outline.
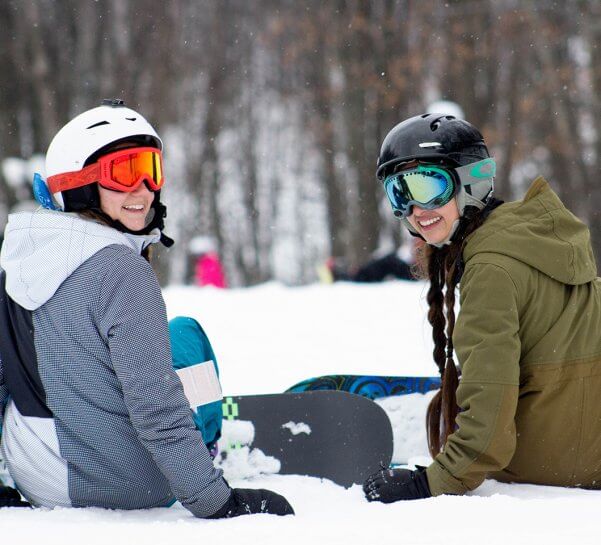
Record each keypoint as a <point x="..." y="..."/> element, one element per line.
<point x="92" y="131"/>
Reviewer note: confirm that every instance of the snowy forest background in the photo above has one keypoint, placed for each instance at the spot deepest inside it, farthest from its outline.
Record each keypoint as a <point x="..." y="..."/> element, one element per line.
<point x="272" y="112"/>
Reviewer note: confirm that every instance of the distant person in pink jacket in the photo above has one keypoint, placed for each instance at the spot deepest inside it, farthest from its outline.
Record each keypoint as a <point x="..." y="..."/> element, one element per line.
<point x="208" y="270"/>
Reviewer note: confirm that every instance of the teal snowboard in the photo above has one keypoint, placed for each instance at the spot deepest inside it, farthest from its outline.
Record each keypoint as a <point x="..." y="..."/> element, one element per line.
<point x="371" y="386"/>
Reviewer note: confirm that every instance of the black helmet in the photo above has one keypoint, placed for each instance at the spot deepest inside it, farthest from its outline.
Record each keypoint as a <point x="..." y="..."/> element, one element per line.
<point x="439" y="138"/>
<point x="448" y="141"/>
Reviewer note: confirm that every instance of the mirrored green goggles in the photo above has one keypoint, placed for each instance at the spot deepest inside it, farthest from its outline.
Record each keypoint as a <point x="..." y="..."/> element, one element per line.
<point x="426" y="186"/>
<point x="429" y="186"/>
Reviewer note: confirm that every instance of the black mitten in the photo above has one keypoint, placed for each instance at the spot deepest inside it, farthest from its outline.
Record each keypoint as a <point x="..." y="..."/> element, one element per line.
<point x="9" y="497"/>
<point x="390" y="485"/>
<point x="247" y="501"/>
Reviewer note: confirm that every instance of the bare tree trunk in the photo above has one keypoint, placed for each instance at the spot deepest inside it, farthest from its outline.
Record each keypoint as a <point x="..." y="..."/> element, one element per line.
<point x="509" y="107"/>
<point x="319" y="80"/>
<point x="567" y="144"/>
<point x="40" y="72"/>
<point x="592" y="14"/>
<point x="362" y="145"/>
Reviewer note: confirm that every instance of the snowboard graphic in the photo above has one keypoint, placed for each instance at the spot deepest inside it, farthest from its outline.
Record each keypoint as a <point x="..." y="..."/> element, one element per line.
<point x="370" y="386"/>
<point x="334" y="435"/>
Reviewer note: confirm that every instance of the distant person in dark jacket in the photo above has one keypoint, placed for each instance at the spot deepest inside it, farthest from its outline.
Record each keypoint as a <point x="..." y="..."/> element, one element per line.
<point x="398" y="264"/>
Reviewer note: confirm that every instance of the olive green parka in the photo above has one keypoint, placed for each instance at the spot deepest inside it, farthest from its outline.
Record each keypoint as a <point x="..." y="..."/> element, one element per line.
<point x="528" y="341"/>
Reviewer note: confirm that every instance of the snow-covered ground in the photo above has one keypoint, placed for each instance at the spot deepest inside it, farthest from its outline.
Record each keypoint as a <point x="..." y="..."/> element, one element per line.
<point x="266" y="339"/>
<point x="269" y="337"/>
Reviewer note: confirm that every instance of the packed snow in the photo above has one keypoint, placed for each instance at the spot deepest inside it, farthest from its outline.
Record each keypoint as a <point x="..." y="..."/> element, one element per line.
<point x="297" y="427"/>
<point x="266" y="339"/>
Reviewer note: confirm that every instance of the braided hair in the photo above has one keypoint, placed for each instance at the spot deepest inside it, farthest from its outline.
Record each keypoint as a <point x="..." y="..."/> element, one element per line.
<point x="443" y="267"/>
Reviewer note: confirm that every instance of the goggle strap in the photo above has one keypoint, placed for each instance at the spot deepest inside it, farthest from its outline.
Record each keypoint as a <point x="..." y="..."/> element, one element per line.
<point x="481" y="171"/>
<point x="75" y="179"/>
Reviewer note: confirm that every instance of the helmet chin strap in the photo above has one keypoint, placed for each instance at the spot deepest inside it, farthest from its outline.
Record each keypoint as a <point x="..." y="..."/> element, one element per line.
<point x="463" y="199"/>
<point x="158" y="221"/>
<point x="485" y="210"/>
<point x="450" y="236"/>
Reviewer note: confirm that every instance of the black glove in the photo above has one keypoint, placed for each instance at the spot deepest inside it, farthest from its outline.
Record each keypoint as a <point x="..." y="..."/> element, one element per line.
<point x="389" y="485"/>
<point x="247" y="501"/>
<point x="9" y="497"/>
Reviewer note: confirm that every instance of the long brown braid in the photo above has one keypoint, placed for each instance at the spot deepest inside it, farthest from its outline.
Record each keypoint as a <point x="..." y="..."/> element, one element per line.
<point x="443" y="268"/>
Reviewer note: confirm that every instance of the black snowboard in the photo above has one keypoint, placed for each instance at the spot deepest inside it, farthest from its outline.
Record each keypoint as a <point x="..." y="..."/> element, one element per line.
<point x="350" y="437"/>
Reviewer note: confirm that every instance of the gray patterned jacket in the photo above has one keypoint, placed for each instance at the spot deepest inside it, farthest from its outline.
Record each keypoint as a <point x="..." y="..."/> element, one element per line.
<point x="94" y="413"/>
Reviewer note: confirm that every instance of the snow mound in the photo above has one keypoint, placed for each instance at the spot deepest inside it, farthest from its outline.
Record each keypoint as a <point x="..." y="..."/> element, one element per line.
<point x="236" y="458"/>
<point x="246" y="463"/>
<point x="407" y="415"/>
<point x="236" y="432"/>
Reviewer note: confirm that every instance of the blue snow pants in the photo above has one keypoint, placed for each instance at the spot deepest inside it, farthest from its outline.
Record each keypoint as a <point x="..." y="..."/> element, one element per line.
<point x="190" y="345"/>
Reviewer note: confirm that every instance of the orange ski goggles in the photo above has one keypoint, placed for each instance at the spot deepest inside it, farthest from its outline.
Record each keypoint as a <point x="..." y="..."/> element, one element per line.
<point x="123" y="170"/>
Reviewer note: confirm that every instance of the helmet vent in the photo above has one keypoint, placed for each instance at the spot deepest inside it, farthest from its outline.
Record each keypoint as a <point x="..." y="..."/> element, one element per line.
<point x="131" y="118"/>
<point x="437" y="122"/>
<point x="98" y="124"/>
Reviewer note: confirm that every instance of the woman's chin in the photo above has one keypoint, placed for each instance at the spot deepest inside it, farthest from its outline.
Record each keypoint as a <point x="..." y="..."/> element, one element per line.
<point x="435" y="237"/>
<point x="133" y="225"/>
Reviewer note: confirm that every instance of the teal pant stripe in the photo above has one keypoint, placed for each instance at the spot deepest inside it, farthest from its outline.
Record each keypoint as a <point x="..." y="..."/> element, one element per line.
<point x="190" y="345"/>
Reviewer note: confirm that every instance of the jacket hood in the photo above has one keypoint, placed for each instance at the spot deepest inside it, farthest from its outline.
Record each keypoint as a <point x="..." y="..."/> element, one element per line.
<point x="42" y="249"/>
<point x="541" y="232"/>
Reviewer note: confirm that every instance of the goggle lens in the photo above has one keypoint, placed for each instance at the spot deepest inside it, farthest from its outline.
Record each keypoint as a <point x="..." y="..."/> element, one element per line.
<point x="427" y="187"/>
<point x="127" y="170"/>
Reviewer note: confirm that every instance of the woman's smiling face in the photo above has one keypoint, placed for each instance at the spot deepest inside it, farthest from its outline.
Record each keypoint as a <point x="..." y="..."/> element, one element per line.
<point x="130" y="209"/>
<point x="435" y="225"/>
